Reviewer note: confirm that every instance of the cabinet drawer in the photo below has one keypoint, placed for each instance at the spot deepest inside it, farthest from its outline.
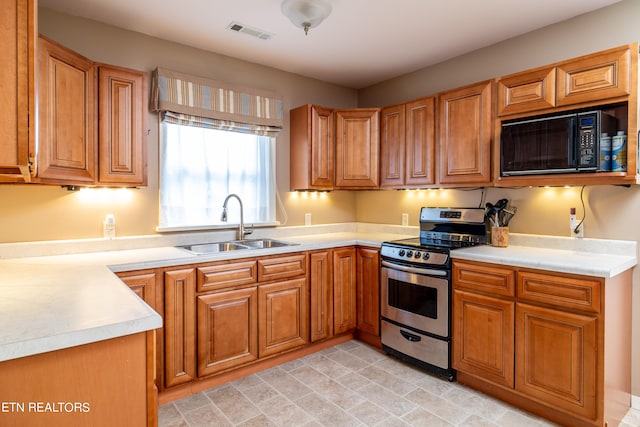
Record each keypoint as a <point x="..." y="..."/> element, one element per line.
<point x="282" y="267"/>
<point x="484" y="278"/>
<point x="226" y="274"/>
<point x="530" y="91"/>
<point x="566" y="292"/>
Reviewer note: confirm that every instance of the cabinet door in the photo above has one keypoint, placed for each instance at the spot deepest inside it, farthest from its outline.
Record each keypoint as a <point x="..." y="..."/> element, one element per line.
<point x="368" y="291"/>
<point x="595" y="77"/>
<point x="17" y="32"/>
<point x="420" y="142"/>
<point x="66" y="102"/>
<point x="483" y="337"/>
<point x="321" y="295"/>
<point x="465" y="123"/>
<point x="122" y="114"/>
<point x="227" y="329"/>
<point x="283" y="310"/>
<point x="357" y="146"/>
<point x="143" y="284"/>
<point x="179" y="326"/>
<point x="557" y="359"/>
<point x="528" y="91"/>
<point x="344" y="290"/>
<point x="312" y="148"/>
<point x="392" y="146"/>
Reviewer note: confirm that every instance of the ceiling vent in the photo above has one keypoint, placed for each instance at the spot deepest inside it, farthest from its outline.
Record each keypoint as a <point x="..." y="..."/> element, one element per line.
<point x="253" y="32"/>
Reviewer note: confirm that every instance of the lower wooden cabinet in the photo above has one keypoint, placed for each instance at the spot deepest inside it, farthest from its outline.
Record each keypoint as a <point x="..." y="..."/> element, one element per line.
<point x="283" y="313"/>
<point x="179" y="326"/>
<point x="320" y="295"/>
<point x="227" y="329"/>
<point x="368" y="291"/>
<point x="344" y="290"/>
<point x="549" y="344"/>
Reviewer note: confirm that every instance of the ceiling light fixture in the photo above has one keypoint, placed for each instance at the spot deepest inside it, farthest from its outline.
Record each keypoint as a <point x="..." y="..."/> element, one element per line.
<point x="306" y="14"/>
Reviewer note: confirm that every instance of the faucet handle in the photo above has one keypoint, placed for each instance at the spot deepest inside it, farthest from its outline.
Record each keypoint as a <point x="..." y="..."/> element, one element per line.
<point x="248" y="230"/>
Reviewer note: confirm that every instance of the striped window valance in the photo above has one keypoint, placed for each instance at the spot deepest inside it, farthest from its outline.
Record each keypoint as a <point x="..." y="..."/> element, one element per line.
<point x="197" y="101"/>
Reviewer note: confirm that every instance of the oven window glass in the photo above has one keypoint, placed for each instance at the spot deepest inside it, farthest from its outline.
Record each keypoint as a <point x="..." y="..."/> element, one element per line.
<point x="416" y="299"/>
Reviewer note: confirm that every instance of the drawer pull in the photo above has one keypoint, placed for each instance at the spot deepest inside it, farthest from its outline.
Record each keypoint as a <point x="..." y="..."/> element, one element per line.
<point x="410" y="337"/>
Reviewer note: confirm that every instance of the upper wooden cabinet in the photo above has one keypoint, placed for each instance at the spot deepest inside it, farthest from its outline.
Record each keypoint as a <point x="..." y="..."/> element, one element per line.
<point x="407" y="145"/>
<point x="122" y="116"/>
<point x="599" y="77"/>
<point x="465" y="130"/>
<point x="357" y="144"/>
<point x="312" y="148"/>
<point x="66" y="115"/>
<point x="92" y="119"/>
<point x="17" y="43"/>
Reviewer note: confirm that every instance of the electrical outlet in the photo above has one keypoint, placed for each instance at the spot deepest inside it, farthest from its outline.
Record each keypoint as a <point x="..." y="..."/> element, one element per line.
<point x="580" y="231"/>
<point x="405" y="219"/>
<point x="307" y="219"/>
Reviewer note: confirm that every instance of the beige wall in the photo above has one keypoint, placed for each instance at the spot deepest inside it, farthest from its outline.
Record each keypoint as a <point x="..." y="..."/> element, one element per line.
<point x="611" y="212"/>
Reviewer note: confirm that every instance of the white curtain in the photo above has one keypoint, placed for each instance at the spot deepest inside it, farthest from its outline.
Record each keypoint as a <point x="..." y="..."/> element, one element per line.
<point x="199" y="167"/>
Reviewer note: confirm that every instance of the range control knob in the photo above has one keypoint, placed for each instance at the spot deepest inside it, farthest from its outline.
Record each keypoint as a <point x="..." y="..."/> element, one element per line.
<point x="409" y="253"/>
<point x="417" y="255"/>
<point x="401" y="252"/>
<point x="425" y="256"/>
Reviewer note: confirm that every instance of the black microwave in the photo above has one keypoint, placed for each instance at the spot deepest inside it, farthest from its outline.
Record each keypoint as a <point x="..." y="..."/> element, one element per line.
<point x="564" y="143"/>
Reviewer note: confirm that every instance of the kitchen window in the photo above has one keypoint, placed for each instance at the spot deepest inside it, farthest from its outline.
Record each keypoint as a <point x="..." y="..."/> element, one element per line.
<point x="200" y="166"/>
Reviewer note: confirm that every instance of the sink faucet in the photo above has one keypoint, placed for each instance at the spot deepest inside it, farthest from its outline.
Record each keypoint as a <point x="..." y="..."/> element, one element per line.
<point x="242" y="233"/>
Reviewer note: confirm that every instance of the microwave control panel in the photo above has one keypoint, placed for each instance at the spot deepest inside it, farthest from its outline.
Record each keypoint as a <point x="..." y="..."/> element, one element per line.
<point x="587" y="145"/>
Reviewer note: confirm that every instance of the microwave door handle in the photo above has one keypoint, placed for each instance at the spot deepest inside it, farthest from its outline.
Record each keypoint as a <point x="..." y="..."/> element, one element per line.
<point x="573" y="144"/>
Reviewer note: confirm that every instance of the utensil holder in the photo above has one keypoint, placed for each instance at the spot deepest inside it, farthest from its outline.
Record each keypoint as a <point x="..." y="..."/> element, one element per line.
<point x="500" y="237"/>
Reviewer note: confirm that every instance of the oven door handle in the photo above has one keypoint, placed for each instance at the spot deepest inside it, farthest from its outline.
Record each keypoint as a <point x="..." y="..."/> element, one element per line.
<point x="414" y="270"/>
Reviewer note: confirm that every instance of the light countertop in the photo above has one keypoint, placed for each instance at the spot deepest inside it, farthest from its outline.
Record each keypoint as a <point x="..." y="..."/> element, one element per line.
<point x="50" y="302"/>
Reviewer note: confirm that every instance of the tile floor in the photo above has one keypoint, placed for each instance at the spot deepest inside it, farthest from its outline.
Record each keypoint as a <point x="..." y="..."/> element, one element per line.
<point x="350" y="384"/>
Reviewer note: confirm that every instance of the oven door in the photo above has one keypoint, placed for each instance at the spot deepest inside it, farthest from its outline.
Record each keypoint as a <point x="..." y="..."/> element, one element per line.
<point x="416" y="297"/>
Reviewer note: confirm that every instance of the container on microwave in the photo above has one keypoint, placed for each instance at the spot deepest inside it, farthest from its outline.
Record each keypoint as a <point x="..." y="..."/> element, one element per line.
<point x="564" y="143"/>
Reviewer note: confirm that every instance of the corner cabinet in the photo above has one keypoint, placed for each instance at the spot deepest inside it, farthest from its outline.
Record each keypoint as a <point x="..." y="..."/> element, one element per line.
<point x="312" y="148"/>
<point x="465" y="118"/>
<point x="18" y="32"/>
<point x="544" y="341"/>
<point x="92" y="120"/>
<point x="357" y="142"/>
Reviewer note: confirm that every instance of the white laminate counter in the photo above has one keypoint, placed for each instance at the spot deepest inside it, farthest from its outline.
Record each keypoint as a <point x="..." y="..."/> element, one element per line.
<point x="58" y="301"/>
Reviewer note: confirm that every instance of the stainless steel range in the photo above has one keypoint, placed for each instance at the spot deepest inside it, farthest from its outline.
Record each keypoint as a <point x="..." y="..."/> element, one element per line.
<point x="416" y="287"/>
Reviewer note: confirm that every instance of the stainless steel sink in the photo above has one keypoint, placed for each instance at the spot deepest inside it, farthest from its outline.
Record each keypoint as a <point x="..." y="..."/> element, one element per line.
<point x="264" y="243"/>
<point x="212" y="248"/>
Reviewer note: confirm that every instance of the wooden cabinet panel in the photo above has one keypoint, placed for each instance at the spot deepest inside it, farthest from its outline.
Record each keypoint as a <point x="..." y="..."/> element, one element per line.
<point x="344" y="290"/>
<point x="179" y="326"/>
<point x="283" y="312"/>
<point x="357" y="146"/>
<point x="312" y="148"/>
<point x="226" y="274"/>
<point x="368" y="290"/>
<point x="528" y="91"/>
<point x="282" y="267"/>
<point x="420" y="142"/>
<point x="595" y="77"/>
<point x="484" y="278"/>
<point x="563" y="291"/>
<point x="17" y="44"/>
<point x="392" y="146"/>
<point x="483" y="337"/>
<point x="143" y="284"/>
<point x="227" y="329"/>
<point x="465" y="132"/>
<point x="67" y="115"/>
<point x="122" y="118"/>
<point x="556" y="358"/>
<point x="320" y="295"/>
